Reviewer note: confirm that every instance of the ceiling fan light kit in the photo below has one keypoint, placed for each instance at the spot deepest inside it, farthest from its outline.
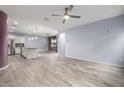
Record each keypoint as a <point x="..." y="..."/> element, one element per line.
<point x="67" y="14"/>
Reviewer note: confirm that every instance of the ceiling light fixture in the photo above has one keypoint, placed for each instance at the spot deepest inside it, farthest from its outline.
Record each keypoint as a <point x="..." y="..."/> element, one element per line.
<point x="66" y="16"/>
<point x="15" y="23"/>
<point x="29" y="39"/>
<point x="32" y="38"/>
<point x="40" y="28"/>
<point x="13" y="27"/>
<point x="36" y="37"/>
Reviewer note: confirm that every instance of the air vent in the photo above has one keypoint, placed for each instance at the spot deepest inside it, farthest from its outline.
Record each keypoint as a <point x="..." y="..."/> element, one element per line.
<point x="46" y="19"/>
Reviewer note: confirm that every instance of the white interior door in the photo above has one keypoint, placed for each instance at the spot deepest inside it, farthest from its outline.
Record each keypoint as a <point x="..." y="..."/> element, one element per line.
<point x="61" y="44"/>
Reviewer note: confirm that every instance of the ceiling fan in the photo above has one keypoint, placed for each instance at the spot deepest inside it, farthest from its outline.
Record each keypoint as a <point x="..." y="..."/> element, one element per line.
<point x="67" y="14"/>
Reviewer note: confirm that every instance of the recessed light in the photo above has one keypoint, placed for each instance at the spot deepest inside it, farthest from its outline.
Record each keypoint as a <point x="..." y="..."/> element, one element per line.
<point x="36" y="37"/>
<point x="29" y="39"/>
<point x="15" y="23"/>
<point x="32" y="38"/>
<point x="40" y="28"/>
<point x="13" y="27"/>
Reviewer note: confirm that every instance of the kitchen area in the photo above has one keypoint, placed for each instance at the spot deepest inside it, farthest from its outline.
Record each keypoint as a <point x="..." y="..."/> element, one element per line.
<point x="15" y="44"/>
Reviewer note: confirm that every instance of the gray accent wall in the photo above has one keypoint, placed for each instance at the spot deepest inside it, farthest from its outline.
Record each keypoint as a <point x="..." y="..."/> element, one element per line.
<point x="101" y="41"/>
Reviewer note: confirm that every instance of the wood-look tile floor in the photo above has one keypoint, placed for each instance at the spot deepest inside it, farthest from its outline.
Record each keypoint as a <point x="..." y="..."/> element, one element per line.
<point x="52" y="70"/>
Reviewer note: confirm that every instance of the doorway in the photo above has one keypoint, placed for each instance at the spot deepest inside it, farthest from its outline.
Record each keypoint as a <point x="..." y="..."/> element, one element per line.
<point x="53" y="44"/>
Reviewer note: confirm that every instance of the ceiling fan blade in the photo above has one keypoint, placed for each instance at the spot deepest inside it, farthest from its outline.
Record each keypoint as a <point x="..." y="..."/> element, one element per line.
<point x="74" y="16"/>
<point x="56" y="15"/>
<point x="70" y="8"/>
<point x="63" y="21"/>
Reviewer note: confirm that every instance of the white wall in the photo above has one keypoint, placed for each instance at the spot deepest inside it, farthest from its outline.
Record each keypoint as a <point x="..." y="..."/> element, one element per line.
<point x="41" y="42"/>
<point x="101" y="41"/>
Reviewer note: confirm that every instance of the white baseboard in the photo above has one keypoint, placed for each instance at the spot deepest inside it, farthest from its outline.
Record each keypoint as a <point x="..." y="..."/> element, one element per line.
<point x="5" y="67"/>
<point x="99" y="62"/>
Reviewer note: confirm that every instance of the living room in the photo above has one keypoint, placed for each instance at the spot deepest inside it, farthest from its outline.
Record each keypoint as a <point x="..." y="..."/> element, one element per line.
<point x="63" y="46"/>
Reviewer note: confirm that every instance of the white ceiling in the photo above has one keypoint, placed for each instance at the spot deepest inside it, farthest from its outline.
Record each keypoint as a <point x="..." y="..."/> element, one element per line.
<point x="31" y="17"/>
